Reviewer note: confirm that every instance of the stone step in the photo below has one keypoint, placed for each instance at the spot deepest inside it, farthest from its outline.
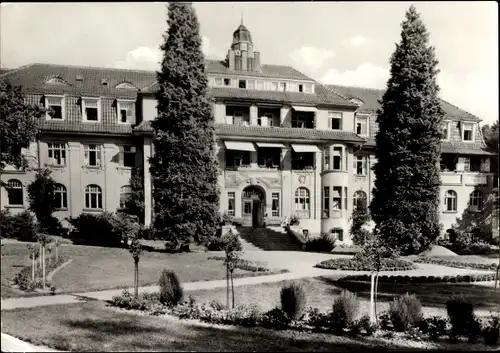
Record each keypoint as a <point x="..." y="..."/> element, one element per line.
<point x="269" y="238"/>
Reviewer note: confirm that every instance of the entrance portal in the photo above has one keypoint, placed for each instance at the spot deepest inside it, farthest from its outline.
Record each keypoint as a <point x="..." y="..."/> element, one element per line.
<point x="253" y="203"/>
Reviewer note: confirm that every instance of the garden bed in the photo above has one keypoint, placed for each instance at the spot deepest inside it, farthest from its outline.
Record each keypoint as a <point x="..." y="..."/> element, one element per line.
<point x="250" y="266"/>
<point x="423" y="279"/>
<point x="356" y="265"/>
<point x="456" y="263"/>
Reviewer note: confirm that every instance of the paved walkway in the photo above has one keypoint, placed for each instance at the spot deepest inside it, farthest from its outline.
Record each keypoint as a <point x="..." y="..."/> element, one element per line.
<point x="12" y="344"/>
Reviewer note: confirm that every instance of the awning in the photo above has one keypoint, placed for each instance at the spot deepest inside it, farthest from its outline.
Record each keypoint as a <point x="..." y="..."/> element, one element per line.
<point x="298" y="108"/>
<point x="305" y="148"/>
<point x="239" y="146"/>
<point x="270" y="144"/>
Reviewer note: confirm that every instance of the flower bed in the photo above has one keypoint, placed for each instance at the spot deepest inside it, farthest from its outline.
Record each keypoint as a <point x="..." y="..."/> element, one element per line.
<point x="23" y="279"/>
<point x="355" y="265"/>
<point x="243" y="264"/>
<point x="457" y="264"/>
<point x="423" y="279"/>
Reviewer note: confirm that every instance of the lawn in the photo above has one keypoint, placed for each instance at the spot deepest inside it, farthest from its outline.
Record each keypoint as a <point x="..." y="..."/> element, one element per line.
<point x="97" y="268"/>
<point x="321" y="292"/>
<point x="92" y="326"/>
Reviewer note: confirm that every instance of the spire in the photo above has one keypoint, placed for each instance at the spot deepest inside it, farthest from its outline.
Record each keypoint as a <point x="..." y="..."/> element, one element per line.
<point x="242" y="17"/>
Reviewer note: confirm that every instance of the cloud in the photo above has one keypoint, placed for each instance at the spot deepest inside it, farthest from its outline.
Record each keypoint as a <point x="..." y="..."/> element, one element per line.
<point x="475" y="92"/>
<point x="356" y="41"/>
<point x="148" y="58"/>
<point x="310" y="58"/>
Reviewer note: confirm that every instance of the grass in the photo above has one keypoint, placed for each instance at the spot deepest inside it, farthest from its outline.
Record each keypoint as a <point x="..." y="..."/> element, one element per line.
<point x="321" y="292"/>
<point x="97" y="268"/>
<point x="92" y="326"/>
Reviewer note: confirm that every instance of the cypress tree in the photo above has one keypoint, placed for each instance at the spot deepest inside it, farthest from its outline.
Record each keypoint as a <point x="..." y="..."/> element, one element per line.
<point x="405" y="205"/>
<point x="184" y="167"/>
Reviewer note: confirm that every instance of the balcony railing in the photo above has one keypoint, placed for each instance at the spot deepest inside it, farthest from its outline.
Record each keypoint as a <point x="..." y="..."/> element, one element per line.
<point x="464" y="178"/>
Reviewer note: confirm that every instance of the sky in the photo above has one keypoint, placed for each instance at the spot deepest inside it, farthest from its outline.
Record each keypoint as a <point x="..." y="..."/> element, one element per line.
<point x="344" y="43"/>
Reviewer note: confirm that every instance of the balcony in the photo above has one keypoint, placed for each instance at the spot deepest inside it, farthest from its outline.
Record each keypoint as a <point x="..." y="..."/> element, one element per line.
<point x="464" y="178"/>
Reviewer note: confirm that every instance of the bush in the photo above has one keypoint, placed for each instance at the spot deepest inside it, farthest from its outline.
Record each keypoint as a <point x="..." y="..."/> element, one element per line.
<point x="361" y="265"/>
<point x="316" y="318"/>
<point x="21" y="226"/>
<point x="293" y="300"/>
<point x="215" y="243"/>
<point x="384" y="320"/>
<point x="171" y="292"/>
<point x="474" y="330"/>
<point x="324" y="243"/>
<point x="216" y="305"/>
<point x="457" y="264"/>
<point x="461" y="314"/>
<point x="97" y="230"/>
<point x="245" y="315"/>
<point x="344" y="310"/>
<point x="434" y="327"/>
<point x="365" y="324"/>
<point x="276" y="319"/>
<point x="23" y="279"/>
<point x="422" y="279"/>
<point x="51" y="225"/>
<point x="491" y="332"/>
<point x="405" y="311"/>
<point x="147" y="233"/>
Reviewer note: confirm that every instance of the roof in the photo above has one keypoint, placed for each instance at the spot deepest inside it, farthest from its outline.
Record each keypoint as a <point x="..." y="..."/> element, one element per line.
<point x="242" y="34"/>
<point x="3" y="71"/>
<point x="274" y="71"/>
<point x="370" y="98"/>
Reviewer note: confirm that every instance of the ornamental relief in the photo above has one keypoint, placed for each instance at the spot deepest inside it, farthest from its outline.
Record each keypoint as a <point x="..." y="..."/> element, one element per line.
<point x="236" y="178"/>
<point x="97" y="170"/>
<point x="303" y="178"/>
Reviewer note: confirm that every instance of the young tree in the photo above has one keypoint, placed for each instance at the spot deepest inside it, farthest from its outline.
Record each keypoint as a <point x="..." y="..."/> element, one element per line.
<point x="135" y="204"/>
<point x="232" y="249"/>
<point x="360" y="217"/>
<point x="42" y="197"/>
<point x="405" y="205"/>
<point x="184" y="167"/>
<point x="18" y="124"/>
<point x="130" y="229"/>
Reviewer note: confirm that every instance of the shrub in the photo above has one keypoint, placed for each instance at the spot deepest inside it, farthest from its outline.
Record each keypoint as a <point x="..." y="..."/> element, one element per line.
<point x="385" y="321"/>
<point x="293" y="300"/>
<point x="365" y="324"/>
<point x="359" y="264"/>
<point x="323" y="243"/>
<point x="215" y="243"/>
<point x="316" y="318"/>
<point x="344" y="310"/>
<point x="461" y="314"/>
<point x="474" y="330"/>
<point x="21" y="226"/>
<point x="51" y="225"/>
<point x="457" y="264"/>
<point x="97" y="230"/>
<point x="434" y="326"/>
<point x="147" y="233"/>
<point x="491" y="332"/>
<point x="276" y="319"/>
<point x="245" y="315"/>
<point x="23" y="279"/>
<point x="405" y="311"/>
<point x="145" y="301"/>
<point x="171" y="292"/>
<point x="216" y="305"/>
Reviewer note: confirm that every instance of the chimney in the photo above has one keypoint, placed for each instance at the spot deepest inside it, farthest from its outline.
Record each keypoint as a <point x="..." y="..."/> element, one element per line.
<point x="256" y="61"/>
<point x="79" y="77"/>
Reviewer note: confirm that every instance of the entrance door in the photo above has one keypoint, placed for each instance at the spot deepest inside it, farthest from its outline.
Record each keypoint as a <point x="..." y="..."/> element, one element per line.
<point x="247" y="213"/>
<point x="253" y="204"/>
<point x="258" y="213"/>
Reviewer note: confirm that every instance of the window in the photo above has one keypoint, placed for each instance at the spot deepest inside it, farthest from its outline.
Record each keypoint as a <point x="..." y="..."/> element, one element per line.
<point x="247" y="207"/>
<point x="55" y="106"/>
<point x="345" y="197"/>
<point x="15" y="192"/>
<point x="302" y="160"/>
<point x="301" y="88"/>
<point x="360" y="165"/>
<point x="338" y="234"/>
<point x="335" y="120"/>
<point x="359" y="200"/>
<point x="269" y="157"/>
<point x="476" y="201"/>
<point x="127" y="156"/>
<point x="269" y="119"/>
<point x="56" y="154"/>
<point x="260" y="85"/>
<point x="61" y="196"/>
<point x="282" y="86"/>
<point x="466" y="161"/>
<point x="302" y="121"/>
<point x="125" y="195"/>
<point x="446" y="130"/>
<point x="450" y="201"/>
<point x="126" y="113"/>
<point x="227" y="82"/>
<point x="90" y="110"/>
<point x="326" y="157"/>
<point x="93" y="197"/>
<point x="218" y="81"/>
<point x="362" y="125"/>
<point x="236" y="159"/>
<point x="337" y="158"/>
<point x="302" y="202"/>
<point x="308" y="88"/>
<point x="92" y="155"/>
<point x="275" y="209"/>
<point x="468" y="132"/>
<point x="242" y="84"/>
<point x="231" y="203"/>
<point x="250" y="84"/>
<point x="326" y="201"/>
<point x="337" y="198"/>
<point x="274" y="86"/>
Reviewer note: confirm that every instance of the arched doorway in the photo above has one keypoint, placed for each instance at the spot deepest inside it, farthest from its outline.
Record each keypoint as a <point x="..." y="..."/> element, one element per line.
<point x="253" y="201"/>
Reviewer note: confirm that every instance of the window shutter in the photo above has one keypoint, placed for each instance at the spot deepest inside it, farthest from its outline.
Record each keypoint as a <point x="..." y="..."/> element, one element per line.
<point x="460" y="164"/>
<point x="120" y="155"/>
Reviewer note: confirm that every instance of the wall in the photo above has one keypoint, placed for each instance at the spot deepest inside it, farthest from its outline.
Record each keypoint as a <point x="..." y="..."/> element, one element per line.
<point x="322" y="122"/>
<point x="149" y="111"/>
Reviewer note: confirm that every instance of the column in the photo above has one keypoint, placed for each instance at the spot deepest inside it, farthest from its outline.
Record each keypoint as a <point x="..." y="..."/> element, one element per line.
<point x="284" y="114"/>
<point x="110" y="191"/>
<point x="253" y="114"/>
<point x="286" y="182"/>
<point x="317" y="186"/>
<point x="76" y="199"/>
<point x="221" y="158"/>
<point x="148" y="199"/>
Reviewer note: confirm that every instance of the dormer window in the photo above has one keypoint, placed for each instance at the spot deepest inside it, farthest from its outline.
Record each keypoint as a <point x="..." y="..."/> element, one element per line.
<point x="446" y="130"/>
<point x="274" y="86"/>
<point x="468" y="132"/>
<point x="308" y="88"/>
<point x="91" y="109"/>
<point x="79" y="77"/>
<point x="250" y="84"/>
<point x="356" y="101"/>
<point x="260" y="85"/>
<point x="125" y="85"/>
<point x="126" y="112"/>
<point x="242" y="84"/>
<point x="104" y="82"/>
<point x="282" y="86"/>
<point x="227" y="82"/>
<point x="56" y="80"/>
<point x="362" y="125"/>
<point x="335" y="120"/>
<point x="218" y="81"/>
<point x="55" y="107"/>
<point x="301" y="88"/>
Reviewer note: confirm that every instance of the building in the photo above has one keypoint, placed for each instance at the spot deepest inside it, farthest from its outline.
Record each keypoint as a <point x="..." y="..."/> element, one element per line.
<point x="286" y="143"/>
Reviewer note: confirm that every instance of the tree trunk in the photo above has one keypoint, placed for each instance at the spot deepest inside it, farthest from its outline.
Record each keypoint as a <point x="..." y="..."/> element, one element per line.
<point x="376" y="296"/>
<point x="227" y="286"/>
<point x="372" y="297"/>
<point x="232" y="287"/>
<point x="33" y="265"/>
<point x="40" y="254"/>
<point x="136" y="278"/>
<point x="57" y="253"/>
<point x="43" y="267"/>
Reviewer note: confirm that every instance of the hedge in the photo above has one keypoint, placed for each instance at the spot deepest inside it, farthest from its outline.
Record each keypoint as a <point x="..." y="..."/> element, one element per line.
<point x="457" y="264"/>
<point x="423" y="279"/>
<point x="355" y="265"/>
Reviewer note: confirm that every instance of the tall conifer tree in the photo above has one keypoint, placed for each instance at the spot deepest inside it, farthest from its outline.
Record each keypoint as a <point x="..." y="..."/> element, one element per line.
<point x="405" y="206"/>
<point x="184" y="167"/>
